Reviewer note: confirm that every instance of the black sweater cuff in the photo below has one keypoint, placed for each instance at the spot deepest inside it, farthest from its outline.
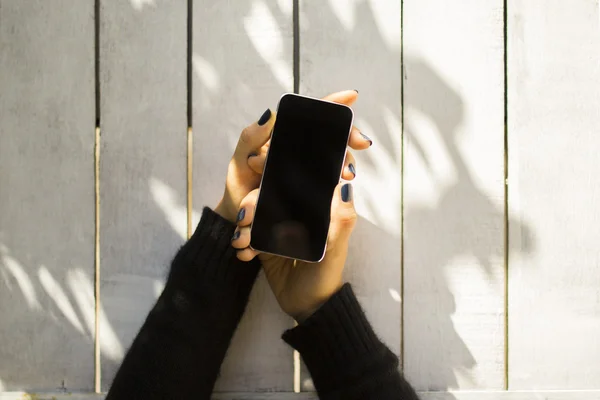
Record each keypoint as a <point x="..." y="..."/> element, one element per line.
<point x="339" y="346"/>
<point x="209" y="261"/>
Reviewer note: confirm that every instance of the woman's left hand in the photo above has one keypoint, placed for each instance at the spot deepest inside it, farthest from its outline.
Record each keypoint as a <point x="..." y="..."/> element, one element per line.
<point x="246" y="165"/>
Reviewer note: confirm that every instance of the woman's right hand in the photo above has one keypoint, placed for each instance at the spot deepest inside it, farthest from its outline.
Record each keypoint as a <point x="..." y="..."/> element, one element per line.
<point x="301" y="287"/>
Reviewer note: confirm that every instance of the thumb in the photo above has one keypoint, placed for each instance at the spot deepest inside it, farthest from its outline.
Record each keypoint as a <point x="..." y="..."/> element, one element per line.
<point x="343" y="217"/>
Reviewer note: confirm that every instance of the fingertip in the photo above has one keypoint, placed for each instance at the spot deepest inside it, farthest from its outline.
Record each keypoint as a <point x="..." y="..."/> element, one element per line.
<point x="248" y="205"/>
<point x="349" y="173"/>
<point x="352" y="169"/>
<point x="347" y="97"/>
<point x="246" y="254"/>
<point x="241" y="215"/>
<point x="358" y="140"/>
<point x="265" y="117"/>
<point x="366" y="138"/>
<point x="347" y="192"/>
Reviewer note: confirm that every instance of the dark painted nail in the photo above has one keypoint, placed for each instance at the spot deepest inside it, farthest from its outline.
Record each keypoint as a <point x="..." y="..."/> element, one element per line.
<point x="355" y="90"/>
<point x="346" y="192"/>
<point x="367" y="138"/>
<point x="352" y="169"/>
<point x="264" y="118"/>
<point x="241" y="214"/>
<point x="236" y="235"/>
<point x="253" y="154"/>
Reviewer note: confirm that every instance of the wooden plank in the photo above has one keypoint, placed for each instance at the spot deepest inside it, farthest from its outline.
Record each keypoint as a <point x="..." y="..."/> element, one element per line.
<point x="357" y="46"/>
<point x="242" y="63"/>
<point x="454" y="194"/>
<point x="142" y="164"/>
<point x="467" y="395"/>
<point x="46" y="194"/>
<point x="553" y="118"/>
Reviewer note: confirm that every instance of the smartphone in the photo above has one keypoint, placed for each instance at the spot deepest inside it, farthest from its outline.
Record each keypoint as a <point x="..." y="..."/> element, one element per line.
<point x="303" y="166"/>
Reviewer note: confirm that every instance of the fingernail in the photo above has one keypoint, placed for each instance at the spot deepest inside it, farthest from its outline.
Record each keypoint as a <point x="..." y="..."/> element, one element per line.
<point x="367" y="138"/>
<point x="236" y="235"/>
<point x="253" y="154"/>
<point x="355" y="90"/>
<point x="241" y="214"/>
<point x="265" y="117"/>
<point x="346" y="192"/>
<point x="352" y="169"/>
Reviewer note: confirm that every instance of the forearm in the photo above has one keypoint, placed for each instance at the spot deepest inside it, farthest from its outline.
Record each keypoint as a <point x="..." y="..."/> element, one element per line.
<point x="180" y="347"/>
<point x="344" y="356"/>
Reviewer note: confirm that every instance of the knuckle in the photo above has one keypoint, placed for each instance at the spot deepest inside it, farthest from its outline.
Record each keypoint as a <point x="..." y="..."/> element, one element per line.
<point x="246" y="136"/>
<point x="347" y="216"/>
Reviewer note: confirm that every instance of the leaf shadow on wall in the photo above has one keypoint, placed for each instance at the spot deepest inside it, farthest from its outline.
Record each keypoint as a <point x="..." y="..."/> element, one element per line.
<point x="466" y="225"/>
<point x="352" y="55"/>
<point x="357" y="47"/>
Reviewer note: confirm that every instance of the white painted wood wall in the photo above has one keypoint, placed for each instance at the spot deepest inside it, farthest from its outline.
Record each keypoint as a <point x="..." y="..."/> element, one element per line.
<point x="484" y="290"/>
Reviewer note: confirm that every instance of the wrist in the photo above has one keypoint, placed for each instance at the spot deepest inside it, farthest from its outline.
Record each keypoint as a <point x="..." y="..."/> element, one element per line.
<point x="226" y="211"/>
<point x="301" y="315"/>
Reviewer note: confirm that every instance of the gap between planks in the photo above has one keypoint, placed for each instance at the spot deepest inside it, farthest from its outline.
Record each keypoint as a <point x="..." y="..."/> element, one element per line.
<point x="97" y="367"/>
<point x="506" y="221"/>
<point x="97" y="359"/>
<point x="190" y="165"/>
<point x="401" y="360"/>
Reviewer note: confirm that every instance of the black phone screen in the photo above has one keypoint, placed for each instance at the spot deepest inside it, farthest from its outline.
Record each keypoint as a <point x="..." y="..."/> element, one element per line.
<point x="303" y="167"/>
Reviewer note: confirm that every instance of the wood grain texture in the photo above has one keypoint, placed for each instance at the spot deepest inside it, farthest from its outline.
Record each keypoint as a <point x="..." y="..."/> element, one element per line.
<point x="46" y="194"/>
<point x="454" y="194"/>
<point x="357" y="46"/>
<point x="142" y="162"/>
<point x="553" y="118"/>
<point x="242" y="64"/>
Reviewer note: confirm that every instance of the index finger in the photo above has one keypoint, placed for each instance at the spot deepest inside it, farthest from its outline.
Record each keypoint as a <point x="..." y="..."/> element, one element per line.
<point x="346" y="97"/>
<point x="254" y="136"/>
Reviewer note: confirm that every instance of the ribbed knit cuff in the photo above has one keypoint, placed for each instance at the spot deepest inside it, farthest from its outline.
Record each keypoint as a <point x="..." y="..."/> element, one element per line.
<point x="209" y="259"/>
<point x="338" y="344"/>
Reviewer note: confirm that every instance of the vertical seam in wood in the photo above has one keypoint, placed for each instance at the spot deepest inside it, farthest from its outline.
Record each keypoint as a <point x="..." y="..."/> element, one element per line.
<point x="190" y="155"/>
<point x="190" y="31"/>
<point x="297" y="369"/>
<point x="296" y="74"/>
<point x="190" y="138"/>
<point x="97" y="359"/>
<point x="506" y="221"/>
<point x="97" y="366"/>
<point x="97" y="59"/>
<point x="296" y="44"/>
<point x="297" y="378"/>
<point x="402" y="185"/>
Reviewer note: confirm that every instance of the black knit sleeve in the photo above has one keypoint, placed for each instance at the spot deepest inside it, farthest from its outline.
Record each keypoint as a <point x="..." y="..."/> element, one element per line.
<point x="344" y="356"/>
<point x="179" y="349"/>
